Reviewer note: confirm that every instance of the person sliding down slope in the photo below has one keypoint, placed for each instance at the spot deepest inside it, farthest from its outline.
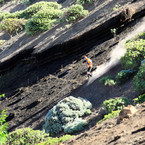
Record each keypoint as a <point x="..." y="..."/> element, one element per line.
<point x="89" y="65"/>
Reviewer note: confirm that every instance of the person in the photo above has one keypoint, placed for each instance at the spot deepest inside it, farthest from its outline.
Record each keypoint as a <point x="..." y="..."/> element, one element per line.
<point x="89" y="65"/>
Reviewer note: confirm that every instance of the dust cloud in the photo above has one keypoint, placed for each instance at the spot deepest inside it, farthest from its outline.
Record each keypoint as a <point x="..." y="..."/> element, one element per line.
<point x="117" y="53"/>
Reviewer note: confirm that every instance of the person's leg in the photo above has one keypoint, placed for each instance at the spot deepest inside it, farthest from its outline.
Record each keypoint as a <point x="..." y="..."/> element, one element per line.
<point x="89" y="71"/>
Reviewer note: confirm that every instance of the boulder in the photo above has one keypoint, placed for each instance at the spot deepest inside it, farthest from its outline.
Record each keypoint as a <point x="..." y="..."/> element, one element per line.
<point x="126" y="112"/>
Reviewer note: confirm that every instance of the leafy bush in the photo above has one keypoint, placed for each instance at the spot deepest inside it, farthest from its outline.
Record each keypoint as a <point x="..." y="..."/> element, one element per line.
<point x="108" y="81"/>
<point x="12" y="25"/>
<point x="54" y="141"/>
<point x="6" y="15"/>
<point x="33" y="9"/>
<point x="139" y="80"/>
<point x="41" y="17"/>
<point x="134" y="55"/>
<point x="110" y="115"/>
<point x="139" y="99"/>
<point x="65" y="113"/>
<point x="43" y="20"/>
<point x="75" y="13"/>
<point x="26" y="136"/>
<point x="123" y="76"/>
<point x="3" y="126"/>
<point x="77" y="125"/>
<point x="114" y="104"/>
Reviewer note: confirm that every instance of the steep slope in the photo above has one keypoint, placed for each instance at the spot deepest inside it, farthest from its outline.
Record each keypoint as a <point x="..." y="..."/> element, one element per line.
<point x="130" y="131"/>
<point x="54" y="44"/>
<point x="35" y="84"/>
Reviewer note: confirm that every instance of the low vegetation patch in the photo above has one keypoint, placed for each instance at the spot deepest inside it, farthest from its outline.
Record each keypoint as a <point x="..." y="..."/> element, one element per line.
<point x="75" y="13"/>
<point x="42" y="16"/>
<point x="139" y="99"/>
<point x="12" y="25"/>
<point x="3" y="127"/>
<point x="6" y="15"/>
<point x="139" y="80"/>
<point x="135" y="52"/>
<point x="107" y="81"/>
<point x="65" y="116"/>
<point x="110" y="115"/>
<point x="114" y="104"/>
<point x="43" y="20"/>
<point x="33" y="9"/>
<point x="26" y="136"/>
<point x="123" y="76"/>
<point x="55" y="141"/>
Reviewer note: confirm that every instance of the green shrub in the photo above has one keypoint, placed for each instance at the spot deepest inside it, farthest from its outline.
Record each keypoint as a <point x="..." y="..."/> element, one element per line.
<point x="75" y="13"/>
<point x="12" y="25"/>
<point x="114" y="104"/>
<point x="3" y="15"/>
<point x="7" y="15"/>
<point x="64" y="113"/>
<point x="108" y="81"/>
<point x="123" y="76"/>
<point x="103" y="79"/>
<point x="33" y="9"/>
<point x="75" y="126"/>
<point x="134" y="55"/>
<point x="42" y="21"/>
<point x="139" y="99"/>
<point x="54" y="141"/>
<point x="26" y="136"/>
<point x="139" y="80"/>
<point x="3" y="127"/>
<point x="110" y="115"/>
